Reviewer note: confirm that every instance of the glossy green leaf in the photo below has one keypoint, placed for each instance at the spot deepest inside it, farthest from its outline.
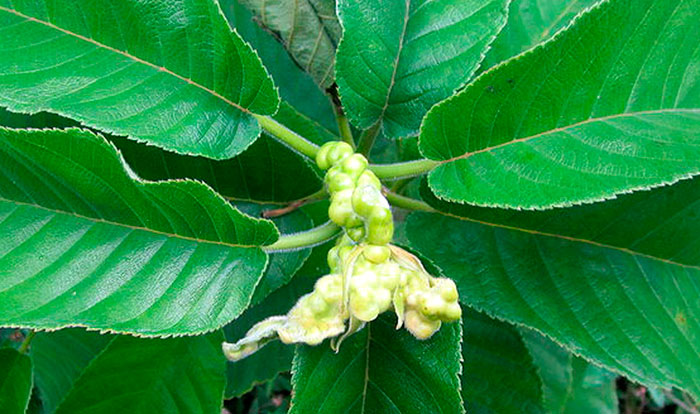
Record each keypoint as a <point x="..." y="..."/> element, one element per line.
<point x="168" y="73"/>
<point x="627" y="309"/>
<point x="15" y="381"/>
<point x="295" y="85"/>
<point x="531" y="22"/>
<point x="309" y="29"/>
<point x="398" y="58"/>
<point x="266" y="171"/>
<point x="611" y="105"/>
<point x="145" y="376"/>
<point x="282" y="266"/>
<point x="380" y="370"/>
<point x="59" y="358"/>
<point x="498" y="374"/>
<point x="85" y="242"/>
<point x="571" y="385"/>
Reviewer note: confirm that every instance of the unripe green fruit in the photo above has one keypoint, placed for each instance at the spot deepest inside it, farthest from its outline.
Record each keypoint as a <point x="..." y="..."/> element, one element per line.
<point x="377" y="254"/>
<point x="367" y="198"/>
<point x="354" y="165"/>
<point x="356" y="233"/>
<point x="419" y="326"/>
<point x="338" y="152"/>
<point x="368" y="178"/>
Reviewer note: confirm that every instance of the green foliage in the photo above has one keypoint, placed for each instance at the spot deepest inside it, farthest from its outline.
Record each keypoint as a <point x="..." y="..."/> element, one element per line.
<point x="15" y="381"/>
<point x="537" y="156"/>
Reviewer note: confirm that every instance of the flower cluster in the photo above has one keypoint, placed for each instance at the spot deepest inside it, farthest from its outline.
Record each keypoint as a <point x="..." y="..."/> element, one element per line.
<point x="368" y="275"/>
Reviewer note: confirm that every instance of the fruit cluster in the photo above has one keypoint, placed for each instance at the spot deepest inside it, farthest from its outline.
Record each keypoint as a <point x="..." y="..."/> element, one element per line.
<point x="368" y="275"/>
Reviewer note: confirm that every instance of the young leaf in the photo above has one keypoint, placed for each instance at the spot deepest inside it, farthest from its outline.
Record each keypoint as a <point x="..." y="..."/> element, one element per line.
<point x="380" y="370"/>
<point x="59" y="358"/>
<point x="308" y="29"/>
<point x="611" y="105"/>
<point x="630" y="310"/>
<point x="144" y="376"/>
<point x="83" y="241"/>
<point x="397" y="58"/>
<point x="531" y="22"/>
<point x="571" y="385"/>
<point x="498" y="374"/>
<point x="15" y="381"/>
<point x="168" y="73"/>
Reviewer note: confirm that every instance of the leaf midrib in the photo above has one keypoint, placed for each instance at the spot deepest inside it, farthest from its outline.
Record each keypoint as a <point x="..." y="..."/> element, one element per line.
<point x="127" y="226"/>
<point x="128" y="56"/>
<point x="544" y="134"/>
<point x="567" y="238"/>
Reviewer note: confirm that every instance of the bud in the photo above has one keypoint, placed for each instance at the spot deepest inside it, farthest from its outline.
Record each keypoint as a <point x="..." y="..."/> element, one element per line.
<point x="377" y="254"/>
<point x="419" y="326"/>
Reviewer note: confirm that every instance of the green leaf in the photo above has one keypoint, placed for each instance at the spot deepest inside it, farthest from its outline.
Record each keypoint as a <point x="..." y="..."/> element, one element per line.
<point x="281" y="266"/>
<point x="611" y="105"/>
<point x="611" y="303"/>
<point x="295" y="85"/>
<point x="85" y="242"/>
<point x="107" y="64"/>
<point x="531" y="22"/>
<point x="380" y="370"/>
<point x="267" y="171"/>
<point x="15" y="381"/>
<point x="499" y="376"/>
<point x="571" y="385"/>
<point x="398" y="58"/>
<point x="59" y="358"/>
<point x="309" y="29"/>
<point x="144" y="376"/>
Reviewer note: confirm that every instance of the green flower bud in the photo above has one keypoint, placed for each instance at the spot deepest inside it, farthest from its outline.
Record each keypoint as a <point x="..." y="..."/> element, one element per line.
<point x="389" y="274"/>
<point x="354" y="165"/>
<point x="329" y="288"/>
<point x="452" y="312"/>
<point x="333" y="259"/>
<point x="376" y="254"/>
<point x="318" y="305"/>
<point x="340" y="211"/>
<point x="368" y="178"/>
<point x="382" y="298"/>
<point x="446" y="288"/>
<point x="338" y="152"/>
<point x="432" y="305"/>
<point x="419" y="326"/>
<point x="344" y="252"/>
<point x="356" y="233"/>
<point x="363" y="306"/>
<point x="366" y="198"/>
<point x="380" y="233"/>
<point x="340" y="182"/>
<point x="322" y="156"/>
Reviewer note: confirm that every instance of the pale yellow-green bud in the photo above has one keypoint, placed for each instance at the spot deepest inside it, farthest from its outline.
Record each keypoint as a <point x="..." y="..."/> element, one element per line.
<point x="420" y="326"/>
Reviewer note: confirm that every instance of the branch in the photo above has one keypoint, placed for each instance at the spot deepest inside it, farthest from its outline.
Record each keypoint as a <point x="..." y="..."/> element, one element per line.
<point x="287" y="136"/>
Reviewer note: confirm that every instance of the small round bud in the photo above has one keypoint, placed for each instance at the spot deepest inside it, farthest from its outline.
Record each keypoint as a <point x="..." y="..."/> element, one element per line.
<point x="432" y="305"/>
<point x="338" y="152"/>
<point x="377" y="254"/>
<point x="380" y="234"/>
<point x="419" y="326"/>
<point x="322" y="156"/>
<point x="317" y="305"/>
<point x="340" y="182"/>
<point x="368" y="178"/>
<point x="356" y="233"/>
<point x="452" y="312"/>
<point x="340" y="211"/>
<point x="354" y="165"/>
<point x="447" y="289"/>
<point x="366" y="198"/>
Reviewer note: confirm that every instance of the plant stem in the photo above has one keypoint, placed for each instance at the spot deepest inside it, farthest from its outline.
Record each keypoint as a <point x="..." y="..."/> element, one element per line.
<point x="344" y="126"/>
<point x="24" y="347"/>
<point x="367" y="138"/>
<point x="403" y="169"/>
<point x="308" y="238"/>
<point x="287" y="136"/>
<point x="407" y="202"/>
